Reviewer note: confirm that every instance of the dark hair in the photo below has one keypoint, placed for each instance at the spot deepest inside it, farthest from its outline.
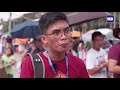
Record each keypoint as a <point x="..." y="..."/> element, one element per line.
<point x="95" y="34"/>
<point x="76" y="44"/>
<point x="9" y="40"/>
<point x="116" y="31"/>
<point x="49" y="18"/>
<point x="11" y="50"/>
<point x="111" y="42"/>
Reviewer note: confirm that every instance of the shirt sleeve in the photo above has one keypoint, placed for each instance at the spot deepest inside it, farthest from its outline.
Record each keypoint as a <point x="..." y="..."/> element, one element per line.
<point x="27" y="68"/>
<point x="114" y="53"/>
<point x="90" y="61"/>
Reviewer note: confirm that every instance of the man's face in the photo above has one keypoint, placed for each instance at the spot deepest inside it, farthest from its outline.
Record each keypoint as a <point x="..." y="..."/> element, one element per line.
<point x="98" y="42"/>
<point x="56" y="39"/>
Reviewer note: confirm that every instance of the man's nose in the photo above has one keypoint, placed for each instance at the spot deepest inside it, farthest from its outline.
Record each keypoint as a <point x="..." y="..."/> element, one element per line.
<point x="63" y="35"/>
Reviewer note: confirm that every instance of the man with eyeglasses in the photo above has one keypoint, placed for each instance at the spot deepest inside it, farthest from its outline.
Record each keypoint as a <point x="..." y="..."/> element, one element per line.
<point x="56" y="35"/>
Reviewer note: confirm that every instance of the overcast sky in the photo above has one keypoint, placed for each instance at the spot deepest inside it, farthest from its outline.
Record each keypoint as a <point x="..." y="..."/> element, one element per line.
<point x="5" y="15"/>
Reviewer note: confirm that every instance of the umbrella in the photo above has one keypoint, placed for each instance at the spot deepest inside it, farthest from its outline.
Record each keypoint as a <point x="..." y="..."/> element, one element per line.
<point x="105" y="31"/>
<point x="87" y="36"/>
<point x="28" y="29"/>
<point x="79" y="17"/>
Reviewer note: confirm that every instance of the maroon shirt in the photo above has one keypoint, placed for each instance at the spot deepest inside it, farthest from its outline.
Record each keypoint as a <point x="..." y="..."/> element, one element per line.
<point x="76" y="68"/>
<point x="114" y="53"/>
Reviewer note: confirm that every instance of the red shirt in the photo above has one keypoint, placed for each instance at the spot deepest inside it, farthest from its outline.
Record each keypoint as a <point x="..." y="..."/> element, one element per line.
<point x="114" y="53"/>
<point x="76" y="68"/>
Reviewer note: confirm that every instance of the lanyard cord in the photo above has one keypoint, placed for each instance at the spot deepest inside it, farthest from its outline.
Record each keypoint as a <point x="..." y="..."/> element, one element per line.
<point x="53" y="69"/>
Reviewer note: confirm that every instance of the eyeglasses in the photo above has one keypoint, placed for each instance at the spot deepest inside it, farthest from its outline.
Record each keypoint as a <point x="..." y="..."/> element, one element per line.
<point x="59" y="33"/>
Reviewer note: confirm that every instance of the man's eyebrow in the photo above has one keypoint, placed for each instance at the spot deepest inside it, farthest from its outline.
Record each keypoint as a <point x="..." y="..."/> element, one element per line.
<point x="60" y="29"/>
<point x="56" y="30"/>
<point x="66" y="28"/>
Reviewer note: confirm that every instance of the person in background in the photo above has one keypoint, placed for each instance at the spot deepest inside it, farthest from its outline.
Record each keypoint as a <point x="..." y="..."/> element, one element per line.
<point x="3" y="41"/>
<point x="75" y="35"/>
<point x="96" y="62"/>
<point x="70" y="48"/>
<point x="33" y="49"/>
<point x="106" y="44"/>
<point x="8" y="61"/>
<point x="114" y="56"/>
<point x="39" y="44"/>
<point x="81" y="50"/>
<point x="8" y="42"/>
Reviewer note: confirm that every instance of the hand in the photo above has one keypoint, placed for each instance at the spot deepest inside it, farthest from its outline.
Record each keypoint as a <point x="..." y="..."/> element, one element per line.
<point x="105" y="64"/>
<point x="102" y="61"/>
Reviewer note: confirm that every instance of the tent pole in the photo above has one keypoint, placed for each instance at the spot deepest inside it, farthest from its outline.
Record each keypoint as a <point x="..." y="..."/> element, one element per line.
<point x="9" y="28"/>
<point x="114" y="19"/>
<point x="119" y="19"/>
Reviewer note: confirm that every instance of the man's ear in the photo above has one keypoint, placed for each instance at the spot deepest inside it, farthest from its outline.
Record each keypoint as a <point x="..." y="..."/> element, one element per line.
<point x="43" y="39"/>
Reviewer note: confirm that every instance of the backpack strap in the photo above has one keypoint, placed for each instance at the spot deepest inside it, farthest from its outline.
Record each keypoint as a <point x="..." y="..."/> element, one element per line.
<point x="38" y="65"/>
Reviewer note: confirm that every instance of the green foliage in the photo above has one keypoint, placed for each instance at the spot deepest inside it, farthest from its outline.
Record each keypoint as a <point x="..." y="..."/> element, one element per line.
<point x="88" y="45"/>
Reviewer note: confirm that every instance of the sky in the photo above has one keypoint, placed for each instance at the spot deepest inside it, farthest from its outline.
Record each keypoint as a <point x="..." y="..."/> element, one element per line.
<point x="5" y="15"/>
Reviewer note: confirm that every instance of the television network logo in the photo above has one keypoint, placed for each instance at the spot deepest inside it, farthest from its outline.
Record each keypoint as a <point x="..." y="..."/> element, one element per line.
<point x="110" y="18"/>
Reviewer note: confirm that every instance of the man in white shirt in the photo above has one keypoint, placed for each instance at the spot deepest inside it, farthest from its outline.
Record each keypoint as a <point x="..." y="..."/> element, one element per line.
<point x="96" y="61"/>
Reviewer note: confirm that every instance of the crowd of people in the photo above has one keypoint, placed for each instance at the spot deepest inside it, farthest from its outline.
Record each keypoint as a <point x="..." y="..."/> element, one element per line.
<point x="62" y="54"/>
<point x="12" y="55"/>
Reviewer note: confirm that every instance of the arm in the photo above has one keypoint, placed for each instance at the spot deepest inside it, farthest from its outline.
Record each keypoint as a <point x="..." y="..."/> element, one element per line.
<point x="90" y="64"/>
<point x="96" y="69"/>
<point x="11" y="64"/>
<point x="101" y="65"/>
<point x="113" y="66"/>
<point x="113" y="56"/>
